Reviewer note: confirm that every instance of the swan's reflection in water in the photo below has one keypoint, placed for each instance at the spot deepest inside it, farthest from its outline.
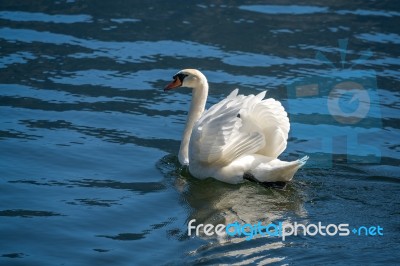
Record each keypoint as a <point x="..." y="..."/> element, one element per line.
<point x="213" y="202"/>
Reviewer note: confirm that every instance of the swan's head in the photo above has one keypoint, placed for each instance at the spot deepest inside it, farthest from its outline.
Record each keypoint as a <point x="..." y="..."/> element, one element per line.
<point x="190" y="78"/>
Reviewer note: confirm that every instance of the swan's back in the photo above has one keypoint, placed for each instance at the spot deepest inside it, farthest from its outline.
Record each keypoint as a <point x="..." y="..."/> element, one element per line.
<point x="237" y="126"/>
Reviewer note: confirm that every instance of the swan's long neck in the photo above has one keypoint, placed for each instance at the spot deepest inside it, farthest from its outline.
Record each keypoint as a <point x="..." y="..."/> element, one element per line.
<point x="199" y="98"/>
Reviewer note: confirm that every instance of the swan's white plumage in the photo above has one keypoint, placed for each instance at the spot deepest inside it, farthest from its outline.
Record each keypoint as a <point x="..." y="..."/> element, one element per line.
<point x="240" y="134"/>
<point x="240" y="125"/>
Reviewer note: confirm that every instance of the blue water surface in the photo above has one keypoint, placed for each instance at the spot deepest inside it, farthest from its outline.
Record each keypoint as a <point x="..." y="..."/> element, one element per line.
<point x="88" y="139"/>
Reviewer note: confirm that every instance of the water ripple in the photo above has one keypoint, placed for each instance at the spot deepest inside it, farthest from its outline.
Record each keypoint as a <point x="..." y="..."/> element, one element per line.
<point x="42" y="17"/>
<point x="380" y="37"/>
<point x="28" y="213"/>
<point x="16" y="58"/>
<point x="147" y="51"/>
<point x="285" y="9"/>
<point x="364" y="12"/>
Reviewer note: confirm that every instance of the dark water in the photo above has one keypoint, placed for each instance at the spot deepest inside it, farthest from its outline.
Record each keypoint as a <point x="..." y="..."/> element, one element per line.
<point x="88" y="139"/>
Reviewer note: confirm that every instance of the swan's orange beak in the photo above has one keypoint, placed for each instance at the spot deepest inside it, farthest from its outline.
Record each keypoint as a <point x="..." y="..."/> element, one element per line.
<point x="174" y="84"/>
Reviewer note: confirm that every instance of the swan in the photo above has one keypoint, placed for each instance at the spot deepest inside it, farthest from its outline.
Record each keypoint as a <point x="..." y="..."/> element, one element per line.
<point x="238" y="138"/>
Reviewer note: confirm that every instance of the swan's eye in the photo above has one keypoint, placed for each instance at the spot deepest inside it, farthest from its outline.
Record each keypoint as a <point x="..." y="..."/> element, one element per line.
<point x="180" y="76"/>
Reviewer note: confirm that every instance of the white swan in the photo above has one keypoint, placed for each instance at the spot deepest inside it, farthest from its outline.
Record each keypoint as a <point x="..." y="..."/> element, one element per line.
<point x="241" y="136"/>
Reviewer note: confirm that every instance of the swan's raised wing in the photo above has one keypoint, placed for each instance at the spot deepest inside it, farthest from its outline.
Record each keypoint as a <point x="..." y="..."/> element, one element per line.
<point x="217" y="137"/>
<point x="239" y="125"/>
<point x="270" y="116"/>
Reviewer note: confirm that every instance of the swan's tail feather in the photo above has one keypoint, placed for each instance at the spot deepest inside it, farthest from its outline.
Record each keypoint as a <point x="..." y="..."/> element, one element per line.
<point x="303" y="160"/>
<point x="277" y="170"/>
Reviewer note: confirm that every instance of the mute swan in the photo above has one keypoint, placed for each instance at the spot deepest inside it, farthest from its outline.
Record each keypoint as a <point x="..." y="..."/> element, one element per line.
<point x="238" y="138"/>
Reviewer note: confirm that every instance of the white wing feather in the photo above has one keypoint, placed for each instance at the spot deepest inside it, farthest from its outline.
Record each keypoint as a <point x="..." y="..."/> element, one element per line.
<point x="240" y="125"/>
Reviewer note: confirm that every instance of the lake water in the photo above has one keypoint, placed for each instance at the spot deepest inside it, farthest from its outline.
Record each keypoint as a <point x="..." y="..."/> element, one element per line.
<point x="89" y="140"/>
